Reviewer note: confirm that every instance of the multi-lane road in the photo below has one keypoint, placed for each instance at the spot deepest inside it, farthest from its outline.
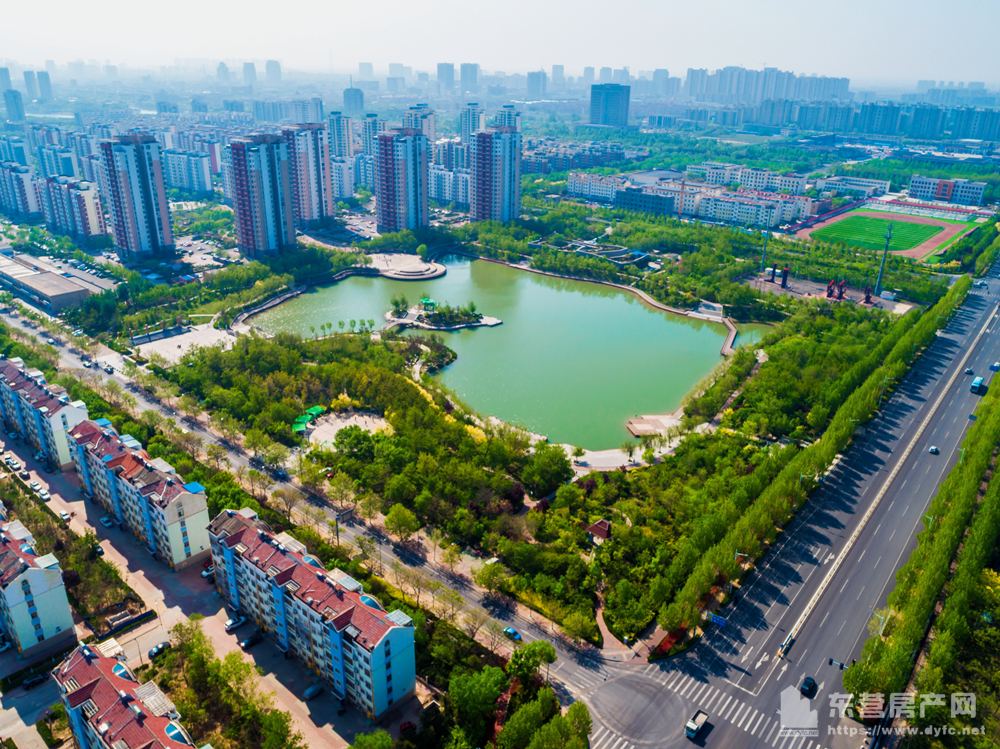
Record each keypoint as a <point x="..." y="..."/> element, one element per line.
<point x="831" y="568"/>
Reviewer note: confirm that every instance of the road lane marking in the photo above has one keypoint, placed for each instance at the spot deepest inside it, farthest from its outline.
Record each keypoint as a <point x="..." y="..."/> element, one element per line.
<point x="721" y="709"/>
<point x="715" y="694"/>
<point x="749" y="713"/>
<point x="759" y="721"/>
<point x="676" y="676"/>
<point x="860" y="592"/>
<point x="739" y="709"/>
<point x="620" y="740"/>
<point x="687" y="686"/>
<point x="773" y="726"/>
<point x="696" y="696"/>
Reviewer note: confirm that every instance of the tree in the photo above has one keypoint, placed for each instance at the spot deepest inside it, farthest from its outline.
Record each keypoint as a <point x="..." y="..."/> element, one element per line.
<point x="474" y="620"/>
<point x="189" y="442"/>
<point x="491" y="577"/>
<point x="493" y="635"/>
<point x="628" y="447"/>
<point x="285" y="498"/>
<point x="548" y="468"/>
<point x="578" y="716"/>
<point x="525" y="661"/>
<point x="276" y="454"/>
<point x="370" y="506"/>
<point x="451" y="556"/>
<point x="256" y="441"/>
<point x="151" y="420"/>
<point x="578" y="452"/>
<point x="401" y="522"/>
<point x="190" y="405"/>
<point x="217" y="456"/>
<point x="342" y="490"/>
<point x="451" y="602"/>
<point x="379" y="739"/>
<point x="579" y="626"/>
<point x="436" y="539"/>
<point x="474" y="696"/>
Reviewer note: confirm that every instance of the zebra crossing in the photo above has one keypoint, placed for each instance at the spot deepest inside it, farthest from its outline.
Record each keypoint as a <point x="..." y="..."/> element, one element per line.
<point x="764" y="728"/>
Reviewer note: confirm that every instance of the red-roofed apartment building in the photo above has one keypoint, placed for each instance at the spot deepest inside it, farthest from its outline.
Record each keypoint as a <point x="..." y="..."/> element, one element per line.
<point x="323" y="618"/>
<point x="144" y="494"/>
<point x="39" y="412"/>
<point x="108" y="708"/>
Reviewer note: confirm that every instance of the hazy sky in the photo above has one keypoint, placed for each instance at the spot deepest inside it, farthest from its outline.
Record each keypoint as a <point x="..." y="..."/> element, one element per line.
<point x="891" y="40"/>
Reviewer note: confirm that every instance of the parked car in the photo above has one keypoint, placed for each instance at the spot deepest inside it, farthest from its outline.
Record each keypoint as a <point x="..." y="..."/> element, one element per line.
<point x="107" y="522"/>
<point x="64" y="516"/>
<point x="252" y="640"/>
<point x="34" y="486"/>
<point x="158" y="649"/>
<point x="208" y="571"/>
<point x="512" y="634"/>
<point x="44" y="495"/>
<point x="33" y="681"/>
<point x="407" y="726"/>
<point x="208" y="562"/>
<point x="235" y="622"/>
<point x="312" y="692"/>
<point x="99" y="550"/>
<point x="24" y="474"/>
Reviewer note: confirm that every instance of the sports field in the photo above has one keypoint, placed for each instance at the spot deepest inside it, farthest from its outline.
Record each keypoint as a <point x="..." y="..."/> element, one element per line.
<point x="869" y="232"/>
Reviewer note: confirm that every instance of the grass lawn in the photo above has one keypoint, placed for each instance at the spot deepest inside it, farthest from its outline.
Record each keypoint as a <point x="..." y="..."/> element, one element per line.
<point x="869" y="232"/>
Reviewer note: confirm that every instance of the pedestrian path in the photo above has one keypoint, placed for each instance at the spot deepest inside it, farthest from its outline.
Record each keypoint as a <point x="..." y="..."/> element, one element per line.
<point x="764" y="728"/>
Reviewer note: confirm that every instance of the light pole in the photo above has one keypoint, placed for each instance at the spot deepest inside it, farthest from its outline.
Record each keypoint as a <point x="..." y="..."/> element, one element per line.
<point x="930" y="520"/>
<point x="961" y="455"/>
<point x="735" y="559"/>
<point x="882" y="391"/>
<point x="882" y="619"/>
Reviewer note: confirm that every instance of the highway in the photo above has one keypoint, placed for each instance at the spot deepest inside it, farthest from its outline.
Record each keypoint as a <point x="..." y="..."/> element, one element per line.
<point x="734" y="672"/>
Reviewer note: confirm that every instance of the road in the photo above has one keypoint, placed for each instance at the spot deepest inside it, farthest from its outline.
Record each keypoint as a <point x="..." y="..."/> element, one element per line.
<point x="735" y="673"/>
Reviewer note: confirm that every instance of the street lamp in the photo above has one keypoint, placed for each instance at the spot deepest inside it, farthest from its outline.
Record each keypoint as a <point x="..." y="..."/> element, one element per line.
<point x="882" y="619"/>
<point x="882" y="391"/>
<point x="736" y="558"/>
<point x="961" y="455"/>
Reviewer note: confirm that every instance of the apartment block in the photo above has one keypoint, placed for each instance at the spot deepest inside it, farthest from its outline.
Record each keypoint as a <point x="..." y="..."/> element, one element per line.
<point x="961" y="191"/>
<point x="17" y="193"/>
<point x="14" y="104"/>
<point x="597" y="187"/>
<point x="449" y="185"/>
<point x="108" y="708"/>
<point x="323" y="618"/>
<point x="141" y="493"/>
<point x="34" y="610"/>
<point x="842" y="184"/>
<point x="258" y="186"/>
<point x="309" y="169"/>
<point x="421" y="117"/>
<point x="190" y="171"/>
<point x="341" y="135"/>
<point x="136" y="194"/>
<point x="13" y="148"/>
<point x="495" y="161"/>
<point x="41" y="413"/>
<point x="71" y="207"/>
<point x="342" y="177"/>
<point x="401" y="165"/>
<point x="57" y="161"/>
<point x="609" y="105"/>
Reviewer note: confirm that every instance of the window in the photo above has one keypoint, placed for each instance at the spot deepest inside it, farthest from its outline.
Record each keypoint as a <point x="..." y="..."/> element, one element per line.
<point x="41" y="638"/>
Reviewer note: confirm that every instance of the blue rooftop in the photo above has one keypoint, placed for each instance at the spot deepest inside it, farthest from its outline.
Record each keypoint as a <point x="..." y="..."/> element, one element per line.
<point x="194" y="487"/>
<point x="102" y="422"/>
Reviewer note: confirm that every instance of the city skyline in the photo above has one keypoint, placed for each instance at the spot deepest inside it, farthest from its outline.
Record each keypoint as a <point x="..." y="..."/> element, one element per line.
<point x="751" y="36"/>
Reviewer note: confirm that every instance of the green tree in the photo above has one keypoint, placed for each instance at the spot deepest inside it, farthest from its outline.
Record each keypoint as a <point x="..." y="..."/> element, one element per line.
<point x="401" y="522"/>
<point x="525" y="661"/>
<point x="548" y="468"/>
<point x="491" y="577"/>
<point x="378" y="739"/>
<point x="579" y="626"/>
<point x="474" y="696"/>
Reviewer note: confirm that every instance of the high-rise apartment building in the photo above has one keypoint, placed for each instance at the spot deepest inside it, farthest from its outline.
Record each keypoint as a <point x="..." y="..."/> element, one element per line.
<point x="354" y="100"/>
<point x="323" y="618"/>
<point x="878" y="118"/>
<point x="927" y="122"/>
<point x="17" y="196"/>
<point x="306" y="111"/>
<point x="537" y="85"/>
<point x="71" y="207"/>
<point x="606" y="75"/>
<point x="258" y="186"/>
<point x="14" y="104"/>
<point x="222" y="73"/>
<point x="56" y="161"/>
<point x="136" y="195"/>
<point x="446" y="77"/>
<point x="249" y="74"/>
<point x="421" y="117"/>
<point x="371" y="128"/>
<point x="31" y="84"/>
<point x="273" y="70"/>
<point x="44" y="85"/>
<point x="309" y="168"/>
<point x="5" y="84"/>
<point x="495" y="159"/>
<point x="341" y="135"/>
<point x="469" y="83"/>
<point x="558" y="76"/>
<point x="190" y="171"/>
<point x="13" y="148"/>
<point x="508" y="116"/>
<point x="588" y="77"/>
<point x="366" y="70"/>
<point x="143" y="494"/>
<point x="34" y="610"/>
<point x="609" y="105"/>
<point x="402" y="162"/>
<point x="472" y="119"/>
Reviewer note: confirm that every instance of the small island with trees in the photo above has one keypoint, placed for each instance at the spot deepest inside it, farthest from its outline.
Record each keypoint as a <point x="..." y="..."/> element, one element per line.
<point x="430" y="315"/>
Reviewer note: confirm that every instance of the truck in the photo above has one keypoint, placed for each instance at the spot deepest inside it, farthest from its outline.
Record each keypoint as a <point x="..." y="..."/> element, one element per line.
<point x="694" y="725"/>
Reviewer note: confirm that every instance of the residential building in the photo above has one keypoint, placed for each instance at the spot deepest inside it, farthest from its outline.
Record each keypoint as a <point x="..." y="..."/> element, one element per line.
<point x="258" y="187"/>
<point x="843" y="184"/>
<point x="472" y="119"/>
<point x="588" y="77"/>
<point x="961" y="191"/>
<point x="421" y="117"/>
<point x="41" y="413"/>
<point x="13" y="148"/>
<point x="306" y="111"/>
<point x="44" y="86"/>
<point x="56" y="161"/>
<point x="469" y="78"/>
<point x="136" y="194"/>
<point x="5" y="84"/>
<point x="221" y="73"/>
<point x="354" y="100"/>
<point x="249" y="74"/>
<point x="71" y="207"/>
<point x="495" y="161"/>
<point x="596" y="187"/>
<point x="190" y="171"/>
<point x="366" y="70"/>
<point x="371" y="128"/>
<point x="34" y="610"/>
<point x="609" y="105"/>
<point x="768" y="181"/>
<point x="537" y="85"/>
<point x="507" y="116"/>
<point x="108" y="708"/>
<point x="714" y="172"/>
<point x="448" y="186"/>
<point x="272" y="68"/>
<point x="927" y="122"/>
<point x="31" y="84"/>
<point x="17" y="195"/>
<point x="14" y="105"/>
<point x="446" y="76"/>
<point x="309" y="169"/>
<point x="342" y="177"/>
<point x="341" y="135"/>
<point x="401" y="165"/>
<point x="325" y="619"/>
<point x="644" y="201"/>
<point x="878" y="118"/>
<point x="144" y="495"/>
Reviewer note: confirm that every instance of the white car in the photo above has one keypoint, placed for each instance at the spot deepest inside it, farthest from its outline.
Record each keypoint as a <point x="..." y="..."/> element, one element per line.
<point x="107" y="522"/>
<point x="235" y="622"/>
<point x="34" y="486"/>
<point x="4" y="646"/>
<point x="64" y="516"/>
<point x="44" y="495"/>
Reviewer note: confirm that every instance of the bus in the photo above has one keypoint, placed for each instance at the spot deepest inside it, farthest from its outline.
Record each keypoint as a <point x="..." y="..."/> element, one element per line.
<point x="977" y="385"/>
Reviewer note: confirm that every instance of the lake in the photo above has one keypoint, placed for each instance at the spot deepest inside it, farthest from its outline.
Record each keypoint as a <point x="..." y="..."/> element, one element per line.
<point x="573" y="360"/>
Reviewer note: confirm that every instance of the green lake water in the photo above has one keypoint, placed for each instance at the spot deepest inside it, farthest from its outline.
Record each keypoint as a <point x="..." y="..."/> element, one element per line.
<point x="573" y="360"/>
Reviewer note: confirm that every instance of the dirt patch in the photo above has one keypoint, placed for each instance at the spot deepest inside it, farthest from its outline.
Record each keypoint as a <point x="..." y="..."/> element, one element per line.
<point x="948" y="230"/>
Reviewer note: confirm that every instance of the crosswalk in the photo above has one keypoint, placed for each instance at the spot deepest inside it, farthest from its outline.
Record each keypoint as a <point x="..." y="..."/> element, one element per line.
<point x="765" y="728"/>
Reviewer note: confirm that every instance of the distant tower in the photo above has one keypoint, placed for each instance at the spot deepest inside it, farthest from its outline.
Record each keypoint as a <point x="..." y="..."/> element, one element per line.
<point x="366" y="70"/>
<point x="44" y="86"/>
<point x="354" y="99"/>
<point x="273" y="70"/>
<point x="446" y="76"/>
<point x="31" y="84"/>
<point x="222" y="73"/>
<point x="471" y="121"/>
<point x="5" y="84"/>
<point x="609" y="104"/>
<point x="469" y="78"/>
<point x="14" y="104"/>
<point x="249" y="74"/>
